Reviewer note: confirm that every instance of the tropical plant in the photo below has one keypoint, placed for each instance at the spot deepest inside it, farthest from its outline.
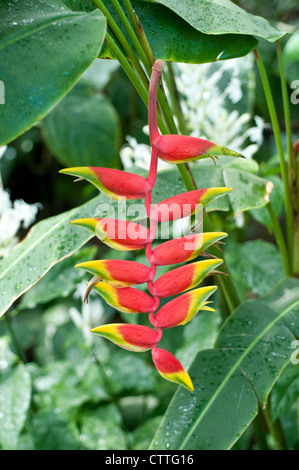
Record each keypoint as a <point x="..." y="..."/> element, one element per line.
<point x="65" y="388"/>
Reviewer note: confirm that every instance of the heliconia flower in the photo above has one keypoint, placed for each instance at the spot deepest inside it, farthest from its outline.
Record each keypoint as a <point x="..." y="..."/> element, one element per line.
<point x="125" y="299"/>
<point x="182" y="309"/>
<point x="170" y="368"/>
<point x="135" y="338"/>
<point x="185" y="204"/>
<point x="116" y="184"/>
<point x="183" y="148"/>
<point x="119" y="273"/>
<point x="112" y="278"/>
<point x="184" y="278"/>
<point x="185" y="248"/>
<point x="118" y="234"/>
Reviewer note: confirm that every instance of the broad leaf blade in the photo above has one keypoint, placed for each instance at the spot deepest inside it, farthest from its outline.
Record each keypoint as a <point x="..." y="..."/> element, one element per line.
<point x="44" y="49"/>
<point x="76" y="132"/>
<point x="172" y="38"/>
<point x="221" y="16"/>
<point x="250" y="191"/>
<point x="253" y="348"/>
<point x="48" y="242"/>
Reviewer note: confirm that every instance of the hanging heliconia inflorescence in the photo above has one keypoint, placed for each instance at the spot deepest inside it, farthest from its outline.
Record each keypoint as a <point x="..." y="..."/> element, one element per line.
<point x="113" y="279"/>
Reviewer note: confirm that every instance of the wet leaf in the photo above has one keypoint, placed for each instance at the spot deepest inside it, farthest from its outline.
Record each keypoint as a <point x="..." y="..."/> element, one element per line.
<point x="47" y="243"/>
<point x="252" y="349"/>
<point x="55" y="45"/>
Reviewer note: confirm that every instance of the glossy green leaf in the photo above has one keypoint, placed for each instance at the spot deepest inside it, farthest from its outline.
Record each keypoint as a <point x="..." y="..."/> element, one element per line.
<point x="252" y="349"/>
<point x="286" y="390"/>
<point x="276" y="197"/>
<point x="59" y="282"/>
<point x="247" y="270"/>
<point x="15" y="395"/>
<point x="250" y="191"/>
<point x="44" y="49"/>
<point x="78" y="135"/>
<point x="172" y="38"/>
<point x="48" y="242"/>
<point x="290" y="59"/>
<point x="291" y="49"/>
<point x="221" y="16"/>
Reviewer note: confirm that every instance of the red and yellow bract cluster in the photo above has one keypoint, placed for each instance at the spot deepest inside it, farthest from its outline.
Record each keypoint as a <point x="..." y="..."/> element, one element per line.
<point x="113" y="279"/>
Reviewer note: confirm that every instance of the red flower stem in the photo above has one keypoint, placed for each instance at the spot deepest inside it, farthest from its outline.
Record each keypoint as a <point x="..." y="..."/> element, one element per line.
<point x="152" y="101"/>
<point x="154" y="136"/>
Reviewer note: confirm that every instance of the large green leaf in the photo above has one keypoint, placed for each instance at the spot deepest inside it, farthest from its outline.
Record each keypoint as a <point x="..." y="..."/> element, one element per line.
<point x="172" y="38"/>
<point x="253" y="347"/>
<point x="221" y="16"/>
<point x="250" y="191"/>
<point x="247" y="270"/>
<point x="48" y="242"/>
<point x="76" y="132"/>
<point x="44" y="49"/>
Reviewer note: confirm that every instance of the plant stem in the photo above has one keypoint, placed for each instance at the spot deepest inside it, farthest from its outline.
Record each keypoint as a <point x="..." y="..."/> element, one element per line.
<point x="132" y="35"/>
<point x="225" y="283"/>
<point x="275" y="429"/>
<point x="123" y="41"/>
<point x="175" y="98"/>
<point x="279" y="239"/>
<point x="286" y="108"/>
<point x="143" y="93"/>
<point x="139" y="31"/>
<point x="259" y="432"/>
<point x="283" y="165"/>
<point x="296" y="248"/>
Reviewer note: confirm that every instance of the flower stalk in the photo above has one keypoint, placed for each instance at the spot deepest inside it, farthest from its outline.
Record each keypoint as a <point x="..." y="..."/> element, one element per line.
<point x="113" y="279"/>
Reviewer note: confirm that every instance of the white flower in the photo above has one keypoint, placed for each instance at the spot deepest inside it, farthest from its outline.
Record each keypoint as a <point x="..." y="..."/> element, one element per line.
<point x="210" y="94"/>
<point x="139" y="155"/>
<point x="13" y="216"/>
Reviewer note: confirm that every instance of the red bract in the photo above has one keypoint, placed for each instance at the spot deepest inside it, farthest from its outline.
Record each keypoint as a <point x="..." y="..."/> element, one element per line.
<point x="183" y="148"/>
<point x="111" y="278"/>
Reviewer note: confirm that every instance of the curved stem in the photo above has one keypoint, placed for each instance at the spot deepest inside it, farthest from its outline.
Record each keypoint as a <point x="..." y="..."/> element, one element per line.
<point x="286" y="107"/>
<point x="123" y="41"/>
<point x="174" y="98"/>
<point x="276" y="430"/>
<point x="279" y="239"/>
<point x="132" y="35"/>
<point x="139" y="31"/>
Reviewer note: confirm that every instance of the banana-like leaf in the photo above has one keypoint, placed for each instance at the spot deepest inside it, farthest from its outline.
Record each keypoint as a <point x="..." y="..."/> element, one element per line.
<point x="48" y="242"/>
<point x="44" y="49"/>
